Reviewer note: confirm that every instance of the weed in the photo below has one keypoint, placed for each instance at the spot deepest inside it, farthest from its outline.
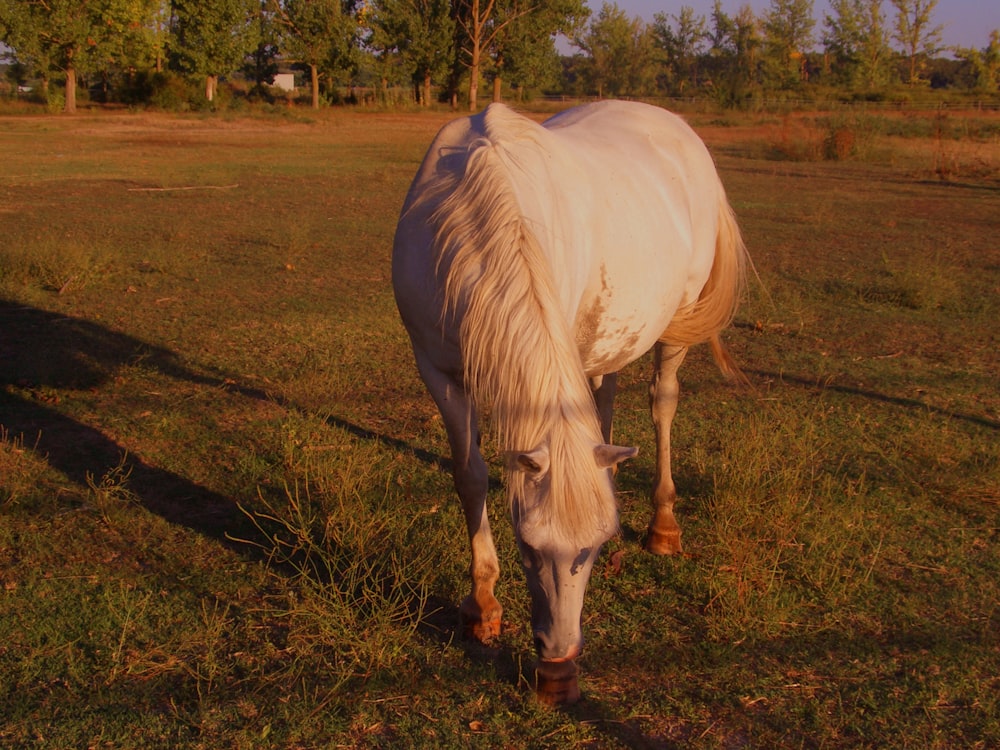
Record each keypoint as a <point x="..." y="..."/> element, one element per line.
<point x="356" y="601"/>
<point x="127" y="605"/>
<point x="18" y="473"/>
<point x="110" y="494"/>
<point x="71" y="262"/>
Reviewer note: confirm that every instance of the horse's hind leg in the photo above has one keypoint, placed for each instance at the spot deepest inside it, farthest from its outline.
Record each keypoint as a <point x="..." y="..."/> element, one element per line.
<point x="604" y="388"/>
<point x="480" y="611"/>
<point x="664" y="536"/>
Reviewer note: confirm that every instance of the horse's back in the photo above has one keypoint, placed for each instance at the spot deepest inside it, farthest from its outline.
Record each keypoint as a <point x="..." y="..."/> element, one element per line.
<point x="641" y="209"/>
<point x="623" y="197"/>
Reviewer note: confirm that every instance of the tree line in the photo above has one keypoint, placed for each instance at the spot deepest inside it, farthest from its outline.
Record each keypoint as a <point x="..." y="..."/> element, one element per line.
<point x="448" y="48"/>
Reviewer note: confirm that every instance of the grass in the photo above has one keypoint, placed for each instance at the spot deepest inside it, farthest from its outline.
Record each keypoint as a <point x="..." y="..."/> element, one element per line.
<point x="225" y="519"/>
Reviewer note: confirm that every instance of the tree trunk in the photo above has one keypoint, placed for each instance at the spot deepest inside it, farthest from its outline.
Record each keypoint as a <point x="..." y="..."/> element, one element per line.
<point x="497" y="88"/>
<point x="70" y="106"/>
<point x="427" y="89"/>
<point x="211" y="83"/>
<point x="474" y="77"/>
<point x="314" y="79"/>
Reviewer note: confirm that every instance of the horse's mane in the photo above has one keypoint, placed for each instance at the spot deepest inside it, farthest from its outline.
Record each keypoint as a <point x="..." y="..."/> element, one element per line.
<point x="520" y="359"/>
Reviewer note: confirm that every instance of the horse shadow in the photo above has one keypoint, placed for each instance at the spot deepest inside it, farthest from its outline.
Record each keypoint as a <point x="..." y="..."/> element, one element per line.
<point x="45" y="356"/>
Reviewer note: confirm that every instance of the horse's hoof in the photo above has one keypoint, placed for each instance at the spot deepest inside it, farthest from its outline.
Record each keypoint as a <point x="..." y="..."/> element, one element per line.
<point x="476" y="624"/>
<point x="556" y="683"/>
<point x="663" y="543"/>
<point x="480" y="630"/>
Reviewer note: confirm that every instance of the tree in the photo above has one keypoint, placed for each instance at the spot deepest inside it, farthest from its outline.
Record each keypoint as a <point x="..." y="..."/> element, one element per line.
<point x="71" y="36"/>
<point x="212" y="37"/>
<point x="474" y="19"/>
<point x="477" y="27"/>
<point x="159" y="31"/>
<point x="262" y="64"/>
<point x="523" y="50"/>
<point x="874" y="52"/>
<point x="985" y="63"/>
<point x="316" y="33"/>
<point x="857" y="39"/>
<point x="421" y="33"/>
<point x="915" y="34"/>
<point x="788" y="26"/>
<point x="681" y="46"/>
<point x="735" y="53"/>
<point x="131" y="40"/>
<point x="31" y="33"/>
<point x="621" y="53"/>
<point x="485" y="28"/>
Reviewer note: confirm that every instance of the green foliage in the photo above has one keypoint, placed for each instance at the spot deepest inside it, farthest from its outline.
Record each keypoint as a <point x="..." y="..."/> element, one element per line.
<point x="421" y="33"/>
<point x="319" y="34"/>
<point x="65" y="37"/>
<point x="985" y="63"/>
<point x="211" y="39"/>
<point x="734" y="59"/>
<point x="621" y="53"/>
<point x="524" y="53"/>
<point x="116" y="47"/>
<point x="858" y="39"/>
<point x="915" y="34"/>
<point x="680" y="46"/>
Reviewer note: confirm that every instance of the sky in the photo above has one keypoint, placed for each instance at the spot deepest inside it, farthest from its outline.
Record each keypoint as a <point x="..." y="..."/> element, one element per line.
<point x="967" y="23"/>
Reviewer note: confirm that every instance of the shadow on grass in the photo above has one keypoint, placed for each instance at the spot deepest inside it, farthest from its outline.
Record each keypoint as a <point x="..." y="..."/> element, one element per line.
<point x="808" y="676"/>
<point x="907" y="403"/>
<point x="44" y="352"/>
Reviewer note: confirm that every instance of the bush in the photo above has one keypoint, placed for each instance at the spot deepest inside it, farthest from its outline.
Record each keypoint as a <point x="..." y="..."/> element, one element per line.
<point x="839" y="144"/>
<point x="55" y="100"/>
<point x="170" y="92"/>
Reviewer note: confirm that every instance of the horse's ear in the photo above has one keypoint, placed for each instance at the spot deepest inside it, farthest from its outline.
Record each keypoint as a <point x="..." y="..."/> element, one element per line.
<point x="609" y="456"/>
<point x="534" y="462"/>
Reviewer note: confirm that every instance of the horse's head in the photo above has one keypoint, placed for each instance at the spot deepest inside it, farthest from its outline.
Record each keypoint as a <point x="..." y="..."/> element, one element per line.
<point x="558" y="550"/>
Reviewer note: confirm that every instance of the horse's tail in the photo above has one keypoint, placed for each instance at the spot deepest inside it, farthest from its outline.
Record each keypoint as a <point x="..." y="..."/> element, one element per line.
<point x="716" y="305"/>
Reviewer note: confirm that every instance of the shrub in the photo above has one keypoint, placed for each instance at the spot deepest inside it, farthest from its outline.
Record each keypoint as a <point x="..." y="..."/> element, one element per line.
<point x="839" y="144"/>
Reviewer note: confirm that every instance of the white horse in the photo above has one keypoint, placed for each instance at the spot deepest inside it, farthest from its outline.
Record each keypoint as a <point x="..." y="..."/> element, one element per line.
<point x="531" y="262"/>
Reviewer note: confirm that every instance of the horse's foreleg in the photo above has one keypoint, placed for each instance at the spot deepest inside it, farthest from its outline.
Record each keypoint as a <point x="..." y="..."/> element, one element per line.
<point x="604" y="387"/>
<point x="480" y="611"/>
<point x="664" y="537"/>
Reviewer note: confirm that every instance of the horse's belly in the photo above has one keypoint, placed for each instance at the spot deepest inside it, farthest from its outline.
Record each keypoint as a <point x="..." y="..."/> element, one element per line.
<point x="610" y="334"/>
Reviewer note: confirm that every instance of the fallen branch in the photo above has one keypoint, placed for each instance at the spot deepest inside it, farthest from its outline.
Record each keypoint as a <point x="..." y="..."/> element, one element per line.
<point x="185" y="187"/>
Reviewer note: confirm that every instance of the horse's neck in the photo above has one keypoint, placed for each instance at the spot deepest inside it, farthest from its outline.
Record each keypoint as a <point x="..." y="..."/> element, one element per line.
<point x="520" y="357"/>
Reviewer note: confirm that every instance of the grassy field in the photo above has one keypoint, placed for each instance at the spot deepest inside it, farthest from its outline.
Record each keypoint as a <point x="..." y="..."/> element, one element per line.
<point x="225" y="520"/>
